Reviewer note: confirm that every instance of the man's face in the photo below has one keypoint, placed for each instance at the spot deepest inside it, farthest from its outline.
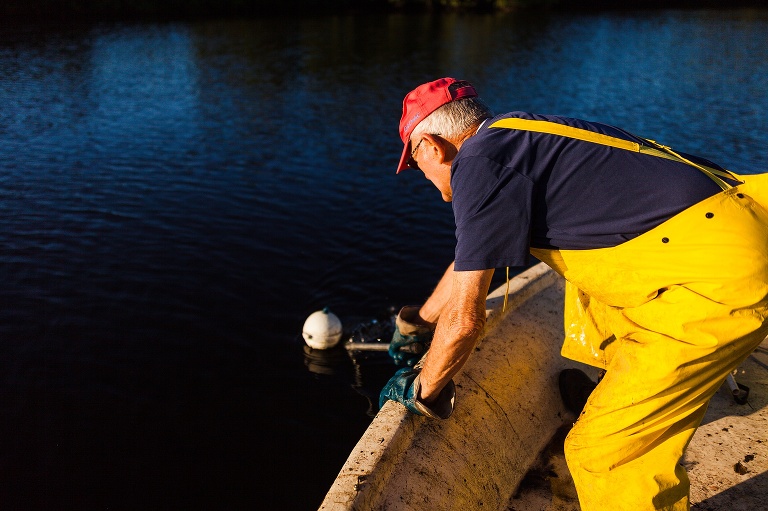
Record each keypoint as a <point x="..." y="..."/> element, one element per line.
<point x="427" y="157"/>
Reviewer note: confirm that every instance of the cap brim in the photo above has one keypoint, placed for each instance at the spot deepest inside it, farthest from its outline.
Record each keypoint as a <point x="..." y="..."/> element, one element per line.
<point x="404" y="158"/>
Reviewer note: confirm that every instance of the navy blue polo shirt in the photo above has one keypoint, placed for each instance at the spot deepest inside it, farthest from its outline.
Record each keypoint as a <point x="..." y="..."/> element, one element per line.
<point x="515" y="189"/>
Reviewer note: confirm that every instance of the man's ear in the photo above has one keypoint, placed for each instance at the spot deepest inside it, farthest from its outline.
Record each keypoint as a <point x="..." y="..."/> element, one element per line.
<point x="439" y="148"/>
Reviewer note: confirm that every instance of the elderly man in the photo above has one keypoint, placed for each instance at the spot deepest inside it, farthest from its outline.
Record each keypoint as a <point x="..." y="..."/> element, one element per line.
<point x="665" y="257"/>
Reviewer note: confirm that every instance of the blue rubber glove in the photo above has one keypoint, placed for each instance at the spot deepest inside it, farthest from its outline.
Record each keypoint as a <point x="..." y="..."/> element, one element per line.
<point x="411" y="339"/>
<point x="404" y="386"/>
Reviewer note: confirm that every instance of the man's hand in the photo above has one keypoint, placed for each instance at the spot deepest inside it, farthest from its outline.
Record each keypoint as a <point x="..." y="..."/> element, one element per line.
<point x="411" y="338"/>
<point x="404" y="386"/>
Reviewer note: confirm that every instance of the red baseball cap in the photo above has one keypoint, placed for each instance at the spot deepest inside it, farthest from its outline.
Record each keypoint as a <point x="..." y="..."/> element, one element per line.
<point x="422" y="101"/>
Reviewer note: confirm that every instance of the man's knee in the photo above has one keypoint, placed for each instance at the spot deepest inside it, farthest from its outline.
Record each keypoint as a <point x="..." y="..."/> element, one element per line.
<point x="584" y="454"/>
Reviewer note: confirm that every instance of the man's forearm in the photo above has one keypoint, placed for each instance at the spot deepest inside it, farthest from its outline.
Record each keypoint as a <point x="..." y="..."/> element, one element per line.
<point x="458" y="329"/>
<point x="437" y="301"/>
<point x="448" y="353"/>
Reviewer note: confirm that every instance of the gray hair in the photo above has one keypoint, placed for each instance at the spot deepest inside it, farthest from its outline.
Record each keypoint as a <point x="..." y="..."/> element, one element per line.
<point x="454" y="119"/>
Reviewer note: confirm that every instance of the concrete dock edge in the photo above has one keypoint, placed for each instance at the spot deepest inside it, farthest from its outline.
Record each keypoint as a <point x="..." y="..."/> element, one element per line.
<point x="507" y="410"/>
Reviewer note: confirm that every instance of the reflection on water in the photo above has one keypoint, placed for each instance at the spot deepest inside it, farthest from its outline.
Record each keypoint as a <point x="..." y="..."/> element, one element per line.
<point x="365" y="371"/>
<point x="176" y="198"/>
<point x="326" y="362"/>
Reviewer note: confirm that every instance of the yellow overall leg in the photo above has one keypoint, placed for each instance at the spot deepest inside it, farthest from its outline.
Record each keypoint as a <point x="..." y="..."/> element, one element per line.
<point x="624" y="450"/>
<point x="669" y="315"/>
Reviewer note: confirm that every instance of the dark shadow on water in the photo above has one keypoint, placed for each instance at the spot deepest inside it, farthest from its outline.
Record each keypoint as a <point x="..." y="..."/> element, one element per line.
<point x="366" y="370"/>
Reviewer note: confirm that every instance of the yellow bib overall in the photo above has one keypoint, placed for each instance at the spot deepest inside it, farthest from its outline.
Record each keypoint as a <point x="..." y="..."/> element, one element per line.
<point x="669" y="315"/>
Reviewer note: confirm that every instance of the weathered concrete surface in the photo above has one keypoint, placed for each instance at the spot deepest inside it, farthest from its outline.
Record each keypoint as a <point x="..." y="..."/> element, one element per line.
<point x="507" y="410"/>
<point x="727" y="460"/>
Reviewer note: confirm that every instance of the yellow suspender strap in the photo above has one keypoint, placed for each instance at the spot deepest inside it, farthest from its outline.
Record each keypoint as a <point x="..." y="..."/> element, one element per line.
<point x="658" y="150"/>
<point x="506" y="293"/>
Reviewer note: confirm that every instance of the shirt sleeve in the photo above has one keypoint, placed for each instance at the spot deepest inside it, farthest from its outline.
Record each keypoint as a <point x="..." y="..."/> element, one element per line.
<point x="492" y="206"/>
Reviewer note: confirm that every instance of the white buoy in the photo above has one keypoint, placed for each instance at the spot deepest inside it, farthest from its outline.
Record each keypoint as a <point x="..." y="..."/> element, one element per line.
<point x="322" y="330"/>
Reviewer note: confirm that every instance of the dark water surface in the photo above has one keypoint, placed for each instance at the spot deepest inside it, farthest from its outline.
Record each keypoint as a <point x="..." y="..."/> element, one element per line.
<point x="175" y="200"/>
